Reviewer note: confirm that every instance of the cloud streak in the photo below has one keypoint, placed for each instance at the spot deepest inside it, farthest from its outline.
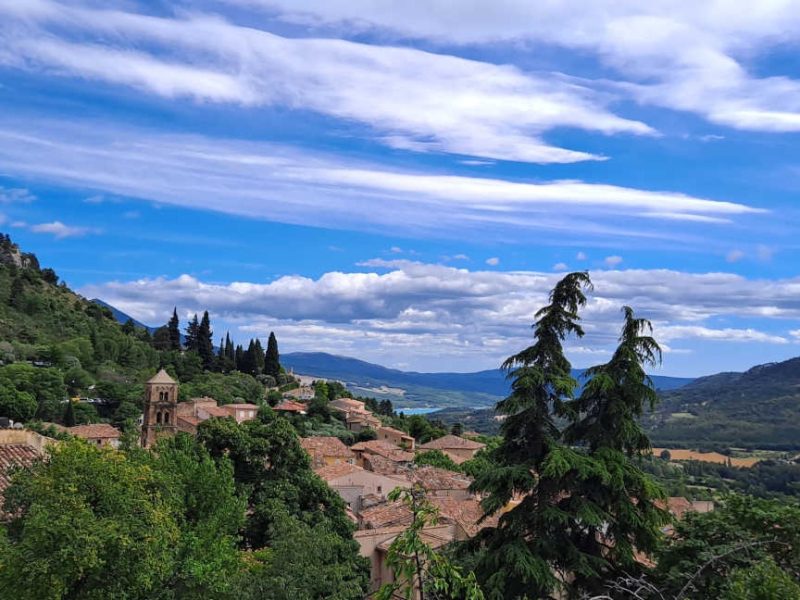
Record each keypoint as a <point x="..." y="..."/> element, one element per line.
<point x="412" y="99"/>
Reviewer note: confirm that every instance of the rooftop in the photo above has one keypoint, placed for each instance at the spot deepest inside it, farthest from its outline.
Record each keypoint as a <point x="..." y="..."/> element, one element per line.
<point x="326" y="446"/>
<point x="291" y="406"/>
<point x="384" y="449"/>
<point x="95" y="431"/>
<point x="331" y="472"/>
<point x="161" y="377"/>
<point x="434" y="478"/>
<point x="452" y="442"/>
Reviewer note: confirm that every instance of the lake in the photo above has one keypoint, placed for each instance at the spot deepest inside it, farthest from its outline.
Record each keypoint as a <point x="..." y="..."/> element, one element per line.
<point x="416" y="411"/>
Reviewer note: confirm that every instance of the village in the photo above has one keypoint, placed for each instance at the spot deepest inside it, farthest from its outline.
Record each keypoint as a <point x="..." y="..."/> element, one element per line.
<point x="363" y="474"/>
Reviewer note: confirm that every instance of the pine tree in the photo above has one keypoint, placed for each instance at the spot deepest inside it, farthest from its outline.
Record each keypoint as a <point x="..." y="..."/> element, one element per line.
<point x="272" y="362"/>
<point x="205" y="345"/>
<point x="238" y="357"/>
<point x="258" y="356"/>
<point x="520" y="554"/>
<point x="193" y="335"/>
<point x="174" y="330"/>
<point x="229" y="351"/>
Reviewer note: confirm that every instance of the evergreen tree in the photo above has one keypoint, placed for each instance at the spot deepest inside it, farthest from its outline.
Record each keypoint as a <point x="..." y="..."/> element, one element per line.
<point x="174" y="330"/>
<point x="238" y="357"/>
<point x="620" y="496"/>
<point x="229" y="351"/>
<point x="69" y="415"/>
<point x="193" y="335"/>
<point x="258" y="356"/>
<point x="520" y="553"/>
<point x="17" y="294"/>
<point x="272" y="362"/>
<point x="205" y="345"/>
<point x="161" y="339"/>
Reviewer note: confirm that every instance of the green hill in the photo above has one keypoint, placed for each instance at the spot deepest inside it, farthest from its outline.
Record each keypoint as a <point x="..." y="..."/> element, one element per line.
<point x="759" y="408"/>
<point x="55" y="344"/>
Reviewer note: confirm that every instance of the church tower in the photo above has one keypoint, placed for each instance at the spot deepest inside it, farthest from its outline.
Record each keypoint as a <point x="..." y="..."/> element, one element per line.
<point x="160" y="408"/>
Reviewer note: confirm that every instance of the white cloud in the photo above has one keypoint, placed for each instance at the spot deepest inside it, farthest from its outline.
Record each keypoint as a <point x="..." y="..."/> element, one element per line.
<point x="559" y="267"/>
<point x="795" y="333"/>
<point x="612" y="261"/>
<point x="581" y="256"/>
<point x="493" y="261"/>
<point x="286" y="184"/>
<point x="679" y="55"/>
<point x="472" y="317"/>
<point x="396" y="250"/>
<point x="412" y="99"/>
<point x="734" y="255"/>
<point x="60" y="230"/>
<point x="764" y="253"/>
<point x="15" y="195"/>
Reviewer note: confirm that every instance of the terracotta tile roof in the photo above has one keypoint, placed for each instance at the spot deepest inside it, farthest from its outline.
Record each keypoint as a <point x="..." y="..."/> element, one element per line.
<point x="434" y="478"/>
<point x="384" y="466"/>
<point x="394" y="431"/>
<point x="325" y="445"/>
<point x="435" y="537"/>
<point x="216" y="411"/>
<point x="95" y="431"/>
<point x="452" y="442"/>
<point x="241" y="406"/>
<point x="291" y="406"/>
<point x="161" y="377"/>
<point x="331" y="472"/>
<point x="465" y="513"/>
<point x="384" y="449"/>
<point x="387" y="514"/>
<point x="14" y="455"/>
<point x="190" y="420"/>
<point x="347" y="404"/>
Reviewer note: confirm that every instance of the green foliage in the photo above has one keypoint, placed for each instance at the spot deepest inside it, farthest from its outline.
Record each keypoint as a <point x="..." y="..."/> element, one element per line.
<point x="436" y="458"/>
<point x="272" y="360"/>
<point x="16" y="405"/>
<point x="420" y="571"/>
<point x="764" y="581"/>
<point x="709" y="549"/>
<point x="224" y="388"/>
<point x="45" y="385"/>
<point x="97" y="523"/>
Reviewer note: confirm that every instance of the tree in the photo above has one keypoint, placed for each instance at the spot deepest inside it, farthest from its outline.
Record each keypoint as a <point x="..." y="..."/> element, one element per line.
<point x="162" y="339"/>
<point x="457" y="429"/>
<point x="69" y="414"/>
<point x="272" y="362"/>
<point x="89" y="524"/>
<point x="436" y="458"/>
<point x="16" y="405"/>
<point x="173" y="328"/>
<point x="205" y="344"/>
<point x="193" y="335"/>
<point x="611" y="511"/>
<point x="665" y="455"/>
<point x="420" y="571"/>
<point x="129" y="327"/>
<point x="764" y="581"/>
<point x="520" y="554"/>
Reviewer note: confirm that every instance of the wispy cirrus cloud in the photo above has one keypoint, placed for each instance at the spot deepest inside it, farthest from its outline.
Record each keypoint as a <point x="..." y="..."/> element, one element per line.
<point x="492" y="111"/>
<point x="60" y="230"/>
<point x="679" y="55"/>
<point x="292" y="185"/>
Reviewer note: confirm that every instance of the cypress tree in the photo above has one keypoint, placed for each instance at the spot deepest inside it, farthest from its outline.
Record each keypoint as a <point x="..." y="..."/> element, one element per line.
<point x="229" y="351"/>
<point x="272" y="362"/>
<point x="174" y="330"/>
<point x="258" y="356"/>
<point x="238" y="357"/>
<point x="69" y="415"/>
<point x="193" y="335"/>
<point x="205" y="345"/>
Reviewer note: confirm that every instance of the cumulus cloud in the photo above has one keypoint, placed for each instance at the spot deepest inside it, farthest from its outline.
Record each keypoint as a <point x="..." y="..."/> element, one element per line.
<point x="581" y="256"/>
<point x="559" y="267"/>
<point x="472" y="317"/>
<point x="493" y="261"/>
<point x="612" y="261"/>
<point x="680" y="55"/>
<point x="60" y="230"/>
<point x="492" y="111"/>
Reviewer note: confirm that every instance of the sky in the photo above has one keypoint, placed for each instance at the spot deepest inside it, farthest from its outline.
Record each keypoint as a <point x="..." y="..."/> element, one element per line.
<point x="403" y="182"/>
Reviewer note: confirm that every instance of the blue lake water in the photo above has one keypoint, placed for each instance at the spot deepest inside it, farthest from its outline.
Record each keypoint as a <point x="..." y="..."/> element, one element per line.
<point x="416" y="411"/>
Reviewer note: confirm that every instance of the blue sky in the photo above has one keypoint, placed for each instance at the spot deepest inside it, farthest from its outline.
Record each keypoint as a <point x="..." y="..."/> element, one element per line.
<point x="404" y="184"/>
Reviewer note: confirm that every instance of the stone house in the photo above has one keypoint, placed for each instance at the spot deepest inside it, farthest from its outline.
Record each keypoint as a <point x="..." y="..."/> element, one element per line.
<point x="396" y="437"/>
<point x="354" y="483"/>
<point x="327" y="450"/>
<point x="457" y="448"/>
<point x="98" y="434"/>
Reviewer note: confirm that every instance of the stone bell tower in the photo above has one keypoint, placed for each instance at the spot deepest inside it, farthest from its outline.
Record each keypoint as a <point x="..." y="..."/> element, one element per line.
<point x="160" y="408"/>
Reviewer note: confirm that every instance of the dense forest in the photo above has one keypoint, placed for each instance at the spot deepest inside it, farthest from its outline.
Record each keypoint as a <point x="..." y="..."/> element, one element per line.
<point x="237" y="512"/>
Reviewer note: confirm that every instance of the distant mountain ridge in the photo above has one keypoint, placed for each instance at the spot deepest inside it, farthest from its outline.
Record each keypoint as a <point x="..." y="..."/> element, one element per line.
<point x="366" y="375"/>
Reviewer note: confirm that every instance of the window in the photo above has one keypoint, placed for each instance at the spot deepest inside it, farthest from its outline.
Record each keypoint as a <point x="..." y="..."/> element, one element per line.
<point x="166" y="396"/>
<point x="380" y="489"/>
<point x="166" y="418"/>
<point x="158" y="417"/>
<point x="160" y="396"/>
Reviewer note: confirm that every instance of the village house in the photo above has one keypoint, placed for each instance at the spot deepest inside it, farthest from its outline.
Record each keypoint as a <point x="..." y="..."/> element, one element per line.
<point x="304" y="393"/>
<point x="98" y="434"/>
<point x="357" y="417"/>
<point x="439" y="482"/>
<point x="380" y="448"/>
<point x="353" y="483"/>
<point x="290" y="406"/>
<point x="396" y="437"/>
<point x="18" y="448"/>
<point x="457" y="448"/>
<point x="327" y="450"/>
